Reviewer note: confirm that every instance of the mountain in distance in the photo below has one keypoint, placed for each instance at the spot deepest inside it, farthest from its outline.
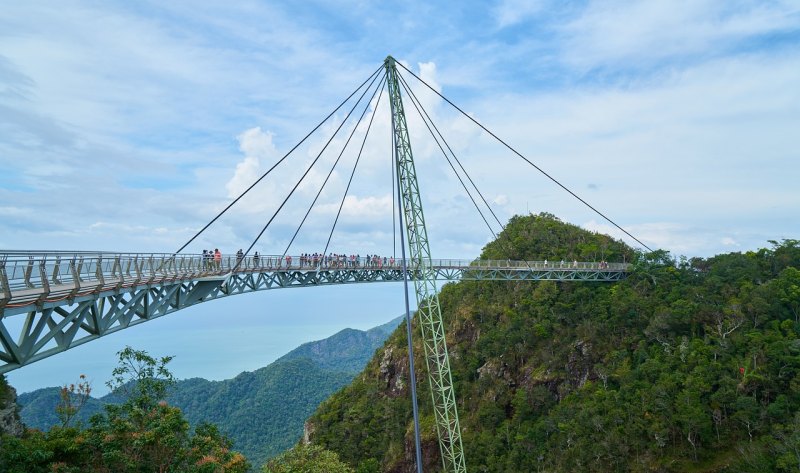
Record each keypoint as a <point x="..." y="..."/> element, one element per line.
<point x="262" y="411"/>
<point x="687" y="365"/>
<point x="348" y="350"/>
<point x="38" y="408"/>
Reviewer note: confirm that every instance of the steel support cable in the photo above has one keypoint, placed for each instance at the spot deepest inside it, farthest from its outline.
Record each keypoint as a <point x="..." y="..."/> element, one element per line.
<point x="526" y="159"/>
<point x="405" y="87"/>
<point x="279" y="161"/>
<point x="353" y="173"/>
<point x="239" y="262"/>
<point x="394" y="230"/>
<point x="497" y="236"/>
<point x="458" y="161"/>
<point x="338" y="158"/>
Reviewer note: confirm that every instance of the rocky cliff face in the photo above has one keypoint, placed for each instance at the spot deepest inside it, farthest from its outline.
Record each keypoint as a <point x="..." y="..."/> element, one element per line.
<point x="10" y="423"/>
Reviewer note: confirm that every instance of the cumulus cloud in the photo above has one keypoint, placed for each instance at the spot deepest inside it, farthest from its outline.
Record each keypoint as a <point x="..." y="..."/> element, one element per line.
<point x="680" y="238"/>
<point x="703" y="137"/>
<point x="511" y="12"/>
<point x="501" y="199"/>
<point x="728" y="241"/>
<point x="651" y="30"/>
<point x="365" y="209"/>
<point x="671" y="236"/>
<point x="258" y="150"/>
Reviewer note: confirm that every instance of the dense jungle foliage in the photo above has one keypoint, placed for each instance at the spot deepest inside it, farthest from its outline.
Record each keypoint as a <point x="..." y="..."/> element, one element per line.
<point x="689" y="365"/>
<point x="141" y="434"/>
<point x="262" y="412"/>
<point x="306" y="459"/>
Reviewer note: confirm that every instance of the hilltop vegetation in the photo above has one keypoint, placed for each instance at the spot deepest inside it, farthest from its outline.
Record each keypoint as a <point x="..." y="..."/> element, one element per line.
<point x="687" y="365"/>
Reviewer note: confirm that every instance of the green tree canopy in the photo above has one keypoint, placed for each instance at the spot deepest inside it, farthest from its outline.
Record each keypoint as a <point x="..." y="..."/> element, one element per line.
<point x="306" y="459"/>
<point x="143" y="434"/>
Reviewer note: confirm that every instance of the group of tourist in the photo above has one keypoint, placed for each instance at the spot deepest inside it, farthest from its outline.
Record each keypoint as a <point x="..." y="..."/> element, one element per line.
<point x="212" y="259"/>
<point x="574" y="265"/>
<point x="334" y="260"/>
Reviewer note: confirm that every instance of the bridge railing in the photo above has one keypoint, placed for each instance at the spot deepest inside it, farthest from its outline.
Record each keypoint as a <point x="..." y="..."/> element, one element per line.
<point x="545" y="265"/>
<point x="33" y="270"/>
<point x="31" y="276"/>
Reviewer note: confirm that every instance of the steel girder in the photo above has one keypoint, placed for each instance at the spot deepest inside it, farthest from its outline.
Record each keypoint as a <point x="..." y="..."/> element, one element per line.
<point x="46" y="331"/>
<point x="428" y="310"/>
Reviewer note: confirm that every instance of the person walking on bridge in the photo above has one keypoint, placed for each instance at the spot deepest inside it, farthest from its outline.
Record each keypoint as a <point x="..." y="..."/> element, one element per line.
<point x="217" y="259"/>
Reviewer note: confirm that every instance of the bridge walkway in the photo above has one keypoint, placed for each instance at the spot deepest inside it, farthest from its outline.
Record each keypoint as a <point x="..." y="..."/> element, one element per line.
<point x="62" y="300"/>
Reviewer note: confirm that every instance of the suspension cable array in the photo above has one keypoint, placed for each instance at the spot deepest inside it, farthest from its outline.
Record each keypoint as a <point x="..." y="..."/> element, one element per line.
<point x="350" y="181"/>
<point x="338" y="158"/>
<point x="437" y="136"/>
<point x="379" y="76"/>
<point x="410" y="224"/>
<point x="257" y="181"/>
<point x="542" y="171"/>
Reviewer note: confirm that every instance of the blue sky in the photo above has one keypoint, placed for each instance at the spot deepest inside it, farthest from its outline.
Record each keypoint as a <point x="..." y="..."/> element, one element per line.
<point x="128" y="125"/>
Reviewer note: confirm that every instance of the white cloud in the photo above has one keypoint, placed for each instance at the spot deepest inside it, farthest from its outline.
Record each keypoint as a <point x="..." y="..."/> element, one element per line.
<point x="710" y="145"/>
<point x="511" y="12"/>
<point x="362" y="209"/>
<point x="257" y="147"/>
<point x="646" y="31"/>
<point x="673" y="236"/>
<point x="11" y="211"/>
<point x="728" y="241"/>
<point x="692" y="141"/>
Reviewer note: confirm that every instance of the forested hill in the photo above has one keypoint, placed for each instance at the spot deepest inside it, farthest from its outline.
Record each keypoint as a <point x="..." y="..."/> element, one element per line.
<point x="685" y="366"/>
<point x="261" y="411"/>
<point x="347" y="351"/>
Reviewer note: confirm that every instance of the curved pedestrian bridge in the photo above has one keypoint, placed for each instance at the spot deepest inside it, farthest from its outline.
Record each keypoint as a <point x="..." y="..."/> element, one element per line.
<point x="65" y="299"/>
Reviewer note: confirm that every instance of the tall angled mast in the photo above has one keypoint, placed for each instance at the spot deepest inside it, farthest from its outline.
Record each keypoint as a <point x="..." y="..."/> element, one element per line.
<point x="429" y="312"/>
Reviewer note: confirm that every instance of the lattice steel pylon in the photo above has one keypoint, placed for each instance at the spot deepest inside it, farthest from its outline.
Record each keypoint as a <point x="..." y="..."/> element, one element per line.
<point x="428" y="310"/>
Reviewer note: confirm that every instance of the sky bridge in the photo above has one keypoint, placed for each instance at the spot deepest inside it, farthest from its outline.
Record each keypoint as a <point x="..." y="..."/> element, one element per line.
<point x="52" y="301"/>
<point x="62" y="300"/>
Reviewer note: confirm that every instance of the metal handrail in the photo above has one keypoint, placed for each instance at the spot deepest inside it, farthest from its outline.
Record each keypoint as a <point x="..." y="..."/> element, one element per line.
<point x="34" y="275"/>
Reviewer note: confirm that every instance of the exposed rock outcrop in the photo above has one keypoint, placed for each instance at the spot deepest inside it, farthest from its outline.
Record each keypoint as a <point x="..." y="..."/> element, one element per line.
<point x="308" y="431"/>
<point x="10" y="423"/>
<point x="393" y="371"/>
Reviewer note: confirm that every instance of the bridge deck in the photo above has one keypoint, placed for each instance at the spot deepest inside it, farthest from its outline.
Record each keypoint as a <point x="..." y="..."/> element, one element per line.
<point x="69" y="299"/>
<point x="36" y="280"/>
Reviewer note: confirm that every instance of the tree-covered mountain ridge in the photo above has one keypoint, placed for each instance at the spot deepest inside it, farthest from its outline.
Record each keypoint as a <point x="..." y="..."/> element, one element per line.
<point x="261" y="411"/>
<point x="687" y="365"/>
